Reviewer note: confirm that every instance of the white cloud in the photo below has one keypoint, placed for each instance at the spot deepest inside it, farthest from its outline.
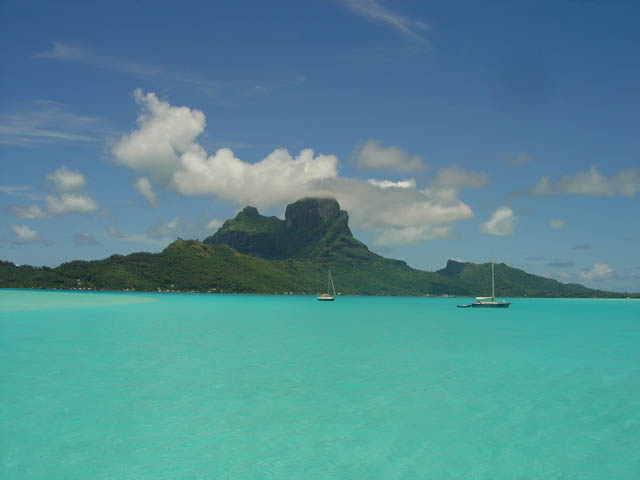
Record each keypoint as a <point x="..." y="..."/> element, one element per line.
<point x="69" y="200"/>
<point x="409" y="183"/>
<point x="373" y="10"/>
<point x="600" y="271"/>
<point x="28" y="212"/>
<point x="164" y="146"/>
<point x="625" y="183"/>
<point x="502" y="222"/>
<point x="24" y="234"/>
<point x="374" y="156"/>
<point x="164" y="133"/>
<point x="273" y="180"/>
<point x="67" y="180"/>
<point x="455" y="177"/>
<point x="557" y="223"/>
<point x="69" y="203"/>
<point x="408" y="235"/>
<point x="143" y="186"/>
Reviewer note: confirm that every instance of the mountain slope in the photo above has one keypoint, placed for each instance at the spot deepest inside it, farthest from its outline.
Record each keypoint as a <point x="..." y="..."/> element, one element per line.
<point x="512" y="282"/>
<point x="252" y="253"/>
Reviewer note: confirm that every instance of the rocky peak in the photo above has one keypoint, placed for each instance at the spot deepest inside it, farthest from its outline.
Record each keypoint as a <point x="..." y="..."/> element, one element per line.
<point x="310" y="213"/>
<point x="250" y="211"/>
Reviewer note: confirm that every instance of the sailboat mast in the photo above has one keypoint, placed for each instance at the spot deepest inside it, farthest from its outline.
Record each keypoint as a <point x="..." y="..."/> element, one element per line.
<point x="331" y="283"/>
<point x="493" y="284"/>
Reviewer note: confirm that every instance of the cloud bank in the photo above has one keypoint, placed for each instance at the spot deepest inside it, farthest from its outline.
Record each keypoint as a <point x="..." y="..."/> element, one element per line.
<point x="164" y="147"/>
<point x="625" y="183"/>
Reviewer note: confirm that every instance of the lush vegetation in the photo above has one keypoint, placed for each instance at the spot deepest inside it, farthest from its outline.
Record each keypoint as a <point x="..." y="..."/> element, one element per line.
<point x="256" y="254"/>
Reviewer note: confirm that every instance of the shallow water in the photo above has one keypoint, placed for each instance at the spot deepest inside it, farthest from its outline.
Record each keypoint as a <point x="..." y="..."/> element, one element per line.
<point x="173" y="386"/>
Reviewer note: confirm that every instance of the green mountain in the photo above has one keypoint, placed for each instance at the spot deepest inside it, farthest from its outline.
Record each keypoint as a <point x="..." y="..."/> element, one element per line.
<point x="252" y="253"/>
<point x="512" y="282"/>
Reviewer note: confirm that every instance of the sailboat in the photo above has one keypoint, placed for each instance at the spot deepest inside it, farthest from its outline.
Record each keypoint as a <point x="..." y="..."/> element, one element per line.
<point x="325" y="297"/>
<point x="490" y="301"/>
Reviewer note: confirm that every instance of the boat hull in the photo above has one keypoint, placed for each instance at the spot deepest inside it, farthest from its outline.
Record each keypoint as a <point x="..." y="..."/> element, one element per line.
<point x="491" y="305"/>
<point x="326" y="299"/>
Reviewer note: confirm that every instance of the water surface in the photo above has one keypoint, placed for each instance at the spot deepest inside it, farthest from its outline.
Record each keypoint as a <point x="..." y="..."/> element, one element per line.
<point x="172" y="386"/>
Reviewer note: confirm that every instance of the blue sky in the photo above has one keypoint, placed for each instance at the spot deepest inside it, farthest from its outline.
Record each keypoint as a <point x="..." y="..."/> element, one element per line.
<point x="505" y="130"/>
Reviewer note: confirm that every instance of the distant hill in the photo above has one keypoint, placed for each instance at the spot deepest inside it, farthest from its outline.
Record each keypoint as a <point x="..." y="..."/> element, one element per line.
<point x="252" y="253"/>
<point x="512" y="282"/>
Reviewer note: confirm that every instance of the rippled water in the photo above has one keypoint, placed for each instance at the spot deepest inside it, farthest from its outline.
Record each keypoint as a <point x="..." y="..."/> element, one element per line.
<point x="170" y="386"/>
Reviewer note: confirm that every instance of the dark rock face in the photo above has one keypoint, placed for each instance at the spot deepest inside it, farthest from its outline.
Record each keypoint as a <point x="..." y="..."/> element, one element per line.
<point x="452" y="269"/>
<point x="310" y="213"/>
<point x="250" y="211"/>
<point x="313" y="227"/>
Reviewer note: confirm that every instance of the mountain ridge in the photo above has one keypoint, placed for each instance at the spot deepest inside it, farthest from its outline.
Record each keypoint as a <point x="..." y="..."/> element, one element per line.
<point x="252" y="253"/>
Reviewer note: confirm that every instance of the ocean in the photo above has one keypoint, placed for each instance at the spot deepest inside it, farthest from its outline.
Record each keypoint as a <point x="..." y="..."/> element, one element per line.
<point x="193" y="386"/>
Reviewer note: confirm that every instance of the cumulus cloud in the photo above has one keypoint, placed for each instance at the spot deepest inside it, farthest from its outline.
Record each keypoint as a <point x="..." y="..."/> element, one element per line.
<point x="164" y="146"/>
<point x="455" y="177"/>
<point x="69" y="203"/>
<point x="372" y="155"/>
<point x="273" y="180"/>
<point x="55" y="206"/>
<point x="69" y="198"/>
<point x="66" y="180"/>
<point x="164" y="133"/>
<point x="557" y="223"/>
<point x="600" y="271"/>
<point x="625" y="183"/>
<point x="143" y="186"/>
<point x="502" y="222"/>
<point x="84" y="239"/>
<point x="24" y="234"/>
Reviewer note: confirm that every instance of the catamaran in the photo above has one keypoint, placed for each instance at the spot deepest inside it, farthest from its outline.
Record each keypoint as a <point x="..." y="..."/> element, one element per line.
<point x="488" y="302"/>
<point x="325" y="297"/>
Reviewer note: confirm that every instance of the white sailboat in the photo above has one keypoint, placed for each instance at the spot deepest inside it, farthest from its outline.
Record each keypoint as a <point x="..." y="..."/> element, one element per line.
<point x="490" y="301"/>
<point x="325" y="297"/>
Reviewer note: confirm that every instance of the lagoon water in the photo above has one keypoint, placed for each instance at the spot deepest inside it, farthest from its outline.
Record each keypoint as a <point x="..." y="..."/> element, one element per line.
<point x="178" y="386"/>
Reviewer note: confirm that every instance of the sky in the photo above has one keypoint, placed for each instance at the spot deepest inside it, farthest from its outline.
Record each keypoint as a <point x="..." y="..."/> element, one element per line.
<point x="464" y="130"/>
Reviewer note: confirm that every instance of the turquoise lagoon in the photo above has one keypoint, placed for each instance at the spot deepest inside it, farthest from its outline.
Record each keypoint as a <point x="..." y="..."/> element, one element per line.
<point x="179" y="386"/>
